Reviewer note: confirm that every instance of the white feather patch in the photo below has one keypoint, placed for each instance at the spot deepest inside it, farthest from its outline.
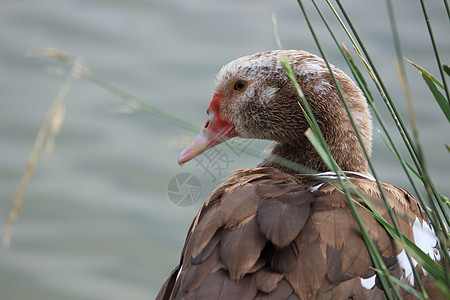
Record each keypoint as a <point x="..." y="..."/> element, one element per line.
<point x="268" y="94"/>
<point x="368" y="283"/>
<point x="312" y="66"/>
<point x="425" y="239"/>
<point x="406" y="266"/>
<point x="323" y="86"/>
<point x="315" y="188"/>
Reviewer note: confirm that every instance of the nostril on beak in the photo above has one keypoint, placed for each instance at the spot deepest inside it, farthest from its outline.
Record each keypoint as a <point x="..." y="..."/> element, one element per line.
<point x="206" y="126"/>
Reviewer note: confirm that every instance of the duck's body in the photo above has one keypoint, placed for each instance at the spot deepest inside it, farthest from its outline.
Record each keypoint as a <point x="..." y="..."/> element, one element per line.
<point x="268" y="232"/>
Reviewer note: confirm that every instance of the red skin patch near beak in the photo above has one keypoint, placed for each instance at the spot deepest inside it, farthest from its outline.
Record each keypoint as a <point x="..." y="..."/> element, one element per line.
<point x="215" y="131"/>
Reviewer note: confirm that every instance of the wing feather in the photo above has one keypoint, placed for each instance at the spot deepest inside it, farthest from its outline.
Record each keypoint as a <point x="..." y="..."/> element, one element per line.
<point x="240" y="248"/>
<point x="281" y="218"/>
<point x="262" y="234"/>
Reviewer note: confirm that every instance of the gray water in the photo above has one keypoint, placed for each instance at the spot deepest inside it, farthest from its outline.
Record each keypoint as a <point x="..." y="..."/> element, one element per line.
<point x="97" y="222"/>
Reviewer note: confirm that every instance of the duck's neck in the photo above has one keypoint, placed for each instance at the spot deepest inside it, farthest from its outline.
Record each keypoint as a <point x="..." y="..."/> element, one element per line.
<point x="292" y="159"/>
<point x="347" y="153"/>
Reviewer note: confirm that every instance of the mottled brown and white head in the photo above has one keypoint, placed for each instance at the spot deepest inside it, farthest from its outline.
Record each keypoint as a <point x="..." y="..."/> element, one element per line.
<point x="255" y="99"/>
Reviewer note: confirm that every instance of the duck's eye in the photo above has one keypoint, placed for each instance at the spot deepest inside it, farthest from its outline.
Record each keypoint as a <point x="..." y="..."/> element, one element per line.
<point x="240" y="85"/>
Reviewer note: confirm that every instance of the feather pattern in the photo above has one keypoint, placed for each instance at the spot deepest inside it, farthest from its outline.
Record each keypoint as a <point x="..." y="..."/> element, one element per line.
<point x="281" y="218"/>
<point x="249" y="240"/>
<point x="289" y="242"/>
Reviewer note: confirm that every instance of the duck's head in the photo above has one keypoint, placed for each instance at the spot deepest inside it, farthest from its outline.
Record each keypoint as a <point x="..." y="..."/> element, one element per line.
<point x="255" y="99"/>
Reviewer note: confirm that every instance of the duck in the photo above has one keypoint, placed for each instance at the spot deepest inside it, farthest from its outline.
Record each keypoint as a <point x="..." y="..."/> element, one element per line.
<point x="272" y="232"/>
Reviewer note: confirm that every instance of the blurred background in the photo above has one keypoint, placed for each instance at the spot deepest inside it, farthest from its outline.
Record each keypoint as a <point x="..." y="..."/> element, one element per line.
<point x="97" y="221"/>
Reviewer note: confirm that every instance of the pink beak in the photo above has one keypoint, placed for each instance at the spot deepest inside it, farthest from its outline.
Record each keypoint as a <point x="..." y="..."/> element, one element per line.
<point x="214" y="132"/>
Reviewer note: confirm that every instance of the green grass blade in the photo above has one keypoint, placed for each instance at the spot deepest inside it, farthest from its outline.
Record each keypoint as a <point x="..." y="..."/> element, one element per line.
<point x="447" y="9"/>
<point x="440" y="99"/>
<point x="322" y="152"/>
<point x="407" y="288"/>
<point x="435" y="48"/>
<point x="444" y="199"/>
<point x="358" y="75"/>
<point x="408" y="166"/>
<point x="422" y="70"/>
<point x="446" y="69"/>
<point x="431" y="82"/>
<point x="304" y="106"/>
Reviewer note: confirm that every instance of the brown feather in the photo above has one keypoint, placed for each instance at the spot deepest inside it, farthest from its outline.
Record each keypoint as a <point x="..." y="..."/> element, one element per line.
<point x="333" y="224"/>
<point x="281" y="219"/>
<point x="309" y="272"/>
<point x="219" y="286"/>
<point x="257" y="266"/>
<point x="352" y="289"/>
<point x="379" y="235"/>
<point x="238" y="205"/>
<point x="330" y="196"/>
<point x="207" y="251"/>
<point x="355" y="256"/>
<point x="335" y="274"/>
<point x="284" y="260"/>
<point x="267" y="281"/>
<point x="207" y="226"/>
<point x="276" y="188"/>
<point x="282" y="291"/>
<point x="308" y="235"/>
<point x="240" y="248"/>
<point x="192" y="275"/>
<point x="430" y="286"/>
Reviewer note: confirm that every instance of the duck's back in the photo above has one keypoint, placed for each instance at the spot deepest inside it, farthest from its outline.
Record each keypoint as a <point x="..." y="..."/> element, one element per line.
<point x="264" y="233"/>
